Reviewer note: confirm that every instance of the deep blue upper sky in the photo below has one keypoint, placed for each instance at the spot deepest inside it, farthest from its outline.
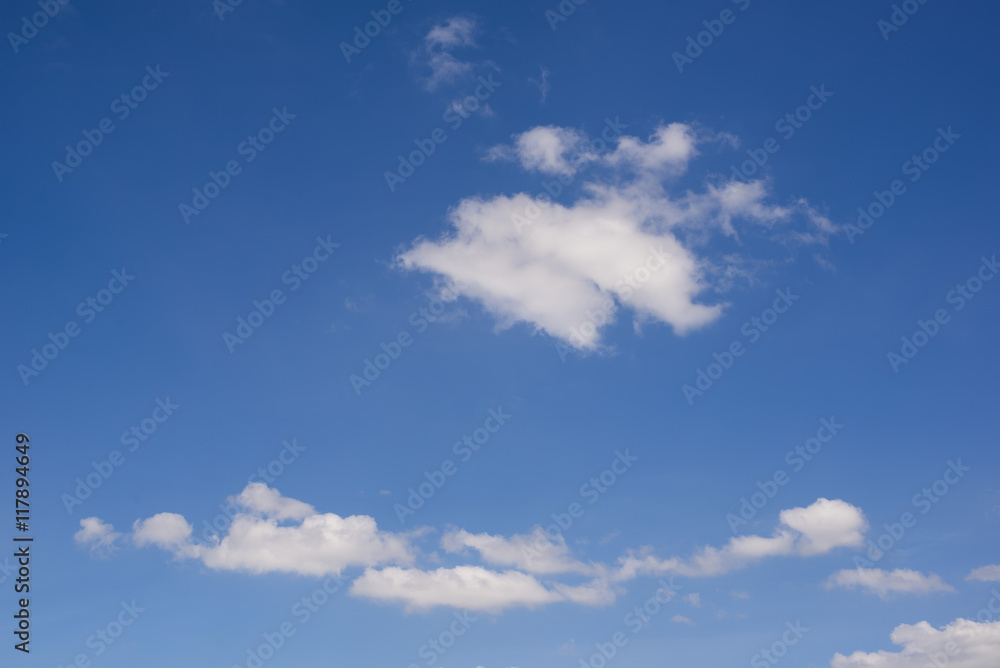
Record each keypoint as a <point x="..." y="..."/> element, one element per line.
<point x="323" y="176"/>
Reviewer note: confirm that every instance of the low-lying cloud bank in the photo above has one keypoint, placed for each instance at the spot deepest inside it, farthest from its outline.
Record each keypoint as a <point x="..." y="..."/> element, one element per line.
<point x="272" y="533"/>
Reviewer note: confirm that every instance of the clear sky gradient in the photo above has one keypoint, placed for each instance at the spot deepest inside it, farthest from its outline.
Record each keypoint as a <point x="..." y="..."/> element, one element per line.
<point x="257" y="260"/>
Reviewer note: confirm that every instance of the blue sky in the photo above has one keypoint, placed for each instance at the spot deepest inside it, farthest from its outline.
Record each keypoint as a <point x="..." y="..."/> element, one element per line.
<point x="522" y="388"/>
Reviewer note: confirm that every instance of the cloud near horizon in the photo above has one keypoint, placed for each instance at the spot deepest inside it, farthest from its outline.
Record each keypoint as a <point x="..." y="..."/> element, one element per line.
<point x="960" y="644"/>
<point x="272" y="533"/>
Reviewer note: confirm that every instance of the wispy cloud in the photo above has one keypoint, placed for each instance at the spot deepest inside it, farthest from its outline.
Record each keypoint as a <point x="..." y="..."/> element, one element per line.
<point x="437" y="53"/>
<point x="883" y="583"/>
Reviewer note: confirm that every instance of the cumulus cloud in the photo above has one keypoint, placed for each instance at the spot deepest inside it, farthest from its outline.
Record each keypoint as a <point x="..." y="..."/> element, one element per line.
<point x="883" y="583"/>
<point x="681" y="619"/>
<point x="261" y="499"/>
<point x="547" y="149"/>
<point x="272" y="533"/>
<point x="96" y="535"/>
<point x="315" y="544"/>
<point x="168" y="531"/>
<point x="961" y="644"/>
<point x="566" y="269"/>
<point x="479" y="588"/>
<point x="439" y="43"/>
<point x="550" y="149"/>
<point x="466" y="587"/>
<point x="535" y="552"/>
<point x="816" y="529"/>
<point x="826" y="525"/>
<point x="670" y="148"/>
<point x="985" y="574"/>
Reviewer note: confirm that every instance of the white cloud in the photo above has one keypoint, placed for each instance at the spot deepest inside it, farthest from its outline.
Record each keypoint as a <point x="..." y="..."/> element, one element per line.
<point x="168" y="531"/>
<point x="261" y="499"/>
<point x="883" y="583"/>
<point x="456" y="32"/>
<point x="669" y="148"/>
<point x="740" y="595"/>
<point x="273" y="533"/>
<point x="566" y="269"/>
<point x="96" y="535"/>
<point x="318" y="544"/>
<point x="546" y="149"/>
<point x="478" y="588"/>
<point x="826" y="525"/>
<point x="985" y="574"/>
<point x="574" y="263"/>
<point x="681" y="619"/>
<point x="597" y="592"/>
<point x="817" y="529"/>
<point x="535" y="552"/>
<point x="465" y="587"/>
<point x="961" y="644"/>
<point x="543" y="84"/>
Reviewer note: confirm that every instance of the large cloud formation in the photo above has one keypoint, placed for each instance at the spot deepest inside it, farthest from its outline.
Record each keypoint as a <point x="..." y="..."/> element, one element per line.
<point x="961" y="644"/>
<point x="565" y="269"/>
<point x="271" y="533"/>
